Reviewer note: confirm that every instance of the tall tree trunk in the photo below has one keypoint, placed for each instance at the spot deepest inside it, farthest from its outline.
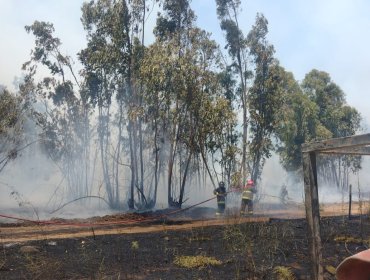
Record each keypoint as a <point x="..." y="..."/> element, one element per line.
<point x="131" y="202"/>
<point x="141" y="159"/>
<point x="182" y="188"/>
<point x="170" y="173"/>
<point x="118" y="153"/>
<point x="245" y="119"/>
<point x="156" y="166"/>
<point x="87" y="150"/>
<point x="207" y="167"/>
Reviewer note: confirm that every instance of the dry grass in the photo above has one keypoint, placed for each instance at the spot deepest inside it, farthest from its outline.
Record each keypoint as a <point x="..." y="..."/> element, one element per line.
<point x="135" y="245"/>
<point x="196" y="261"/>
<point x="41" y="267"/>
<point x="349" y="239"/>
<point x="2" y="263"/>
<point x="283" y="273"/>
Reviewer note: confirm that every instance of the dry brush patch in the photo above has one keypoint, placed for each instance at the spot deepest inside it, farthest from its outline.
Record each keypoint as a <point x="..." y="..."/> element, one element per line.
<point x="196" y="261"/>
<point x="40" y="266"/>
<point x="284" y="273"/>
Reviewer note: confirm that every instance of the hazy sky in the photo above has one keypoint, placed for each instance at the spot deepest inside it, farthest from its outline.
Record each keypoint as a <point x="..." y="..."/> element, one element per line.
<point x="329" y="35"/>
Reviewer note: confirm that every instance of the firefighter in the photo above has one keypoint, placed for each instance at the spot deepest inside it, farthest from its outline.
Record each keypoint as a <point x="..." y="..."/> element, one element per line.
<point x="247" y="198"/>
<point x="284" y="195"/>
<point x="220" y="192"/>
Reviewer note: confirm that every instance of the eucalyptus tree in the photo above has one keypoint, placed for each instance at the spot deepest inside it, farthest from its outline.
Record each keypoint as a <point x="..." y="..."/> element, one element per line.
<point x="163" y="76"/>
<point x="183" y="98"/>
<point x="315" y="110"/>
<point x="60" y="108"/>
<point x="212" y="111"/>
<point x="228" y="12"/>
<point x="338" y="118"/>
<point x="265" y="96"/>
<point x="172" y="32"/>
<point x="299" y="123"/>
<point x="217" y="138"/>
<point x="189" y="114"/>
<point x="115" y="33"/>
<point x="231" y="136"/>
<point x="330" y="99"/>
<point x="11" y="126"/>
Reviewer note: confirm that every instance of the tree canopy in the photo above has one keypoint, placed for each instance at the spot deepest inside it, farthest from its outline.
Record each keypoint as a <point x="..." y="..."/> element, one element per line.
<point x="173" y="114"/>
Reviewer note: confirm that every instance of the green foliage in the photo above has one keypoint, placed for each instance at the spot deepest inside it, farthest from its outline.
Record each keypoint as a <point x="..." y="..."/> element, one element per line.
<point x="315" y="110"/>
<point x="334" y="114"/>
<point x="265" y="96"/>
<point x="224" y="6"/>
<point x="46" y="46"/>
<point x="185" y="97"/>
<point x="298" y="122"/>
<point x="65" y="124"/>
<point x="10" y="111"/>
<point x="11" y="126"/>
<point x="109" y="64"/>
<point x="178" y="17"/>
<point x="228" y="11"/>
<point x="168" y="111"/>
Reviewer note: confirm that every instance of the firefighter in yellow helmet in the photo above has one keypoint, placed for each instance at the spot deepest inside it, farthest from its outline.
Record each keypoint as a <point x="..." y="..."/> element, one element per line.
<point x="247" y="198"/>
<point x="220" y="192"/>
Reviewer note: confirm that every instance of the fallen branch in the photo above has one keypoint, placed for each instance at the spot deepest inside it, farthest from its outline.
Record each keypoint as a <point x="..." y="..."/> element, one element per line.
<point x="88" y="196"/>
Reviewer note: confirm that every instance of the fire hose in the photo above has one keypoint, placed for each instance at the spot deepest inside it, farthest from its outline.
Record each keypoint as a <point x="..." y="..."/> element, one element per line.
<point x="113" y="223"/>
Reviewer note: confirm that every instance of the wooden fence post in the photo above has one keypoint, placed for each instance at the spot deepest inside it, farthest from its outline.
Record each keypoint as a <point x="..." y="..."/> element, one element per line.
<point x="312" y="213"/>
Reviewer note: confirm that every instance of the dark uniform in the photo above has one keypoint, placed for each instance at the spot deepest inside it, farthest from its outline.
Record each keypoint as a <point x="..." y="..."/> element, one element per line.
<point x="247" y="198"/>
<point x="221" y="198"/>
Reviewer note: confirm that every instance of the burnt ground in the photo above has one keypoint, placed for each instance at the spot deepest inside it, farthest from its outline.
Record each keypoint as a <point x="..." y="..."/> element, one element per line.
<point x="245" y="249"/>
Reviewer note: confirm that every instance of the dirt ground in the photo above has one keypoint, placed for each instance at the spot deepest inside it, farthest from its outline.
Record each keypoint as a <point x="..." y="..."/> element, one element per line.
<point x="153" y="245"/>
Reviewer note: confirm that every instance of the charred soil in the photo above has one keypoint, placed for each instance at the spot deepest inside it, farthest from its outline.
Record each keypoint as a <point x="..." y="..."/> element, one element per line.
<point x="181" y="248"/>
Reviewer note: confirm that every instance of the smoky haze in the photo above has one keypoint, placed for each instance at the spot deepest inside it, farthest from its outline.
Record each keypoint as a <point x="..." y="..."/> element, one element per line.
<point x="32" y="186"/>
